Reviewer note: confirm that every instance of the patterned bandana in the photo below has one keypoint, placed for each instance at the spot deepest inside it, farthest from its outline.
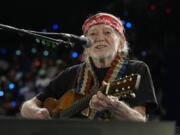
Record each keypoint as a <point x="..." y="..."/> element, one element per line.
<point x="103" y="18"/>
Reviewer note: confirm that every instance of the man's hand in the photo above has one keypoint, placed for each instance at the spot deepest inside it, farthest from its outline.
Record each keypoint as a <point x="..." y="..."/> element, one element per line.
<point x="31" y="109"/>
<point x="101" y="102"/>
<point x="119" y="109"/>
<point x="42" y="113"/>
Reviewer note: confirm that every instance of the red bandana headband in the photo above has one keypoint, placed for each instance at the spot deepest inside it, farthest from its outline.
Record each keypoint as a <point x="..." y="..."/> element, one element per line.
<point x="103" y="18"/>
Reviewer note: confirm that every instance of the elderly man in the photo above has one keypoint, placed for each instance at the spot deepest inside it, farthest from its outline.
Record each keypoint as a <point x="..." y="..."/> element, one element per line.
<point x="106" y="61"/>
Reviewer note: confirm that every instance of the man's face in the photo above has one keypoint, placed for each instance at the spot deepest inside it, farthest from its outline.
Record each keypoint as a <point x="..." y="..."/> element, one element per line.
<point x="105" y="41"/>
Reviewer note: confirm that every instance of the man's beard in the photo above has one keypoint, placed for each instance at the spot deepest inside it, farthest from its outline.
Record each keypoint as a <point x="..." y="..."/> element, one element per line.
<point x="103" y="59"/>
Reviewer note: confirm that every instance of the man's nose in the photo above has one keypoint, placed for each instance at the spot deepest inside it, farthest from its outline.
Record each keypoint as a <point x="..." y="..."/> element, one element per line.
<point x="100" y="37"/>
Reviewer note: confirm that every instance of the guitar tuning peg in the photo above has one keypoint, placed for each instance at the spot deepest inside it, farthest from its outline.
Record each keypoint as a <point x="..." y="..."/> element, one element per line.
<point x="125" y="81"/>
<point x="118" y="83"/>
<point x="133" y="95"/>
<point x="116" y="90"/>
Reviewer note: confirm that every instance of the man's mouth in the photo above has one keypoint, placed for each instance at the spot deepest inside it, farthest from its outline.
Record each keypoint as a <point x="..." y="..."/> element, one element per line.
<point x="100" y="46"/>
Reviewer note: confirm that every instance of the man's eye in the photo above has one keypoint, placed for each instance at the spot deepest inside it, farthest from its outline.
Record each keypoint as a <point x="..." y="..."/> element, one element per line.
<point x="107" y="32"/>
<point x="92" y="34"/>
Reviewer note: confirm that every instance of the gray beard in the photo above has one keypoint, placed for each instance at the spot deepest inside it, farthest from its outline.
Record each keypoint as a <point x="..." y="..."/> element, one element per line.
<point x="104" y="60"/>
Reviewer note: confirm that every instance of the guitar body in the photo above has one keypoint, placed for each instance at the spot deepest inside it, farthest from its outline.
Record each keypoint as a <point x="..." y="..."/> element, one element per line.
<point x="55" y="106"/>
<point x="71" y="103"/>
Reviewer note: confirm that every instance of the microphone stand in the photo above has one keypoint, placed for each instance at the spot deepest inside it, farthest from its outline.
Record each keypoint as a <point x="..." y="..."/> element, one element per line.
<point x="55" y="42"/>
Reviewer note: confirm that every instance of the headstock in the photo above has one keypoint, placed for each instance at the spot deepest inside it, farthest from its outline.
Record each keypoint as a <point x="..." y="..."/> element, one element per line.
<point x="124" y="86"/>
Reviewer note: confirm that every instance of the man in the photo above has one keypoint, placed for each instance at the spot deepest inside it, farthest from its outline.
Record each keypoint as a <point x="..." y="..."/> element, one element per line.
<point x="105" y="62"/>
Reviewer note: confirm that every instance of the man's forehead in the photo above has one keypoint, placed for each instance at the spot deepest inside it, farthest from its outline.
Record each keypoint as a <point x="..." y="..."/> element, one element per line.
<point x="100" y="26"/>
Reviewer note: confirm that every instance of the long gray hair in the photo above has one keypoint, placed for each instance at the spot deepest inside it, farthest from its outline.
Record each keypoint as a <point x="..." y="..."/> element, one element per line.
<point x="125" y="50"/>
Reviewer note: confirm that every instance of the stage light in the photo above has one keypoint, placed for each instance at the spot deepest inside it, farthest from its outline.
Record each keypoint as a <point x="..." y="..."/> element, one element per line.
<point x="143" y="53"/>
<point x="168" y="10"/>
<point x="11" y="86"/>
<point x="18" y="52"/>
<point x="44" y="30"/>
<point x="128" y="25"/>
<point x="3" y="51"/>
<point x="34" y="50"/>
<point x="37" y="63"/>
<point x="74" y="54"/>
<point x="152" y="7"/>
<point x="38" y="40"/>
<point x="43" y="42"/>
<point x="45" y="53"/>
<point x="13" y="103"/>
<point x="55" y="27"/>
<point x="1" y="93"/>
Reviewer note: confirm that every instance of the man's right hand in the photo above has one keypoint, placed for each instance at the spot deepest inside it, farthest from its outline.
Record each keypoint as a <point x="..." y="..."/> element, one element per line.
<point x="31" y="109"/>
<point x="42" y="113"/>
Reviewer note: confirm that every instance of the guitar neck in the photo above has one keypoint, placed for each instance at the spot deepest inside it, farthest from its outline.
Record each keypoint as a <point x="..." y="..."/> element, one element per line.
<point x="79" y="105"/>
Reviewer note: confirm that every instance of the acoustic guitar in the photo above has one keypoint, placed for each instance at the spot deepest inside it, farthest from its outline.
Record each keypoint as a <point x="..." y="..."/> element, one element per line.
<point x="71" y="103"/>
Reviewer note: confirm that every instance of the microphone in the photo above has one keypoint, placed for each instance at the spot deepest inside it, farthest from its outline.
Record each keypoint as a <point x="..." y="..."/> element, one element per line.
<point x="79" y="40"/>
<point x="74" y="39"/>
<point x="63" y="38"/>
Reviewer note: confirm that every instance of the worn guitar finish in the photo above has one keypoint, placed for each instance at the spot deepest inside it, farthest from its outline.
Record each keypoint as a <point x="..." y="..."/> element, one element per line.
<point x="70" y="103"/>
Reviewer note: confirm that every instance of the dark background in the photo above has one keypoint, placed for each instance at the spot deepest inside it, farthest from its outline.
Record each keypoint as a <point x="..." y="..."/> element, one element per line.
<point x="154" y="32"/>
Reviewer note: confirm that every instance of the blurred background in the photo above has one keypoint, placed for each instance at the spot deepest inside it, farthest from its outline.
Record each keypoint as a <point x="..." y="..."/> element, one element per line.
<point x="27" y="64"/>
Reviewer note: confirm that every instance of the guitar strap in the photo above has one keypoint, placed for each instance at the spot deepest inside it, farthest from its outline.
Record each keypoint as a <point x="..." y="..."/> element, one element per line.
<point x="75" y="80"/>
<point x="118" y="67"/>
<point x="85" y="75"/>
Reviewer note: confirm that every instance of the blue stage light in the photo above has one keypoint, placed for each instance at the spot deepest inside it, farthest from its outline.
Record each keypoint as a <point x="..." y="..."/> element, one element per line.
<point x="74" y="54"/>
<point x="13" y="103"/>
<point x="1" y="93"/>
<point x="11" y="86"/>
<point x="3" y="51"/>
<point x="34" y="50"/>
<point x="143" y="53"/>
<point x="45" y="53"/>
<point x="55" y="27"/>
<point x="44" y="30"/>
<point x="18" y="52"/>
<point x="128" y="25"/>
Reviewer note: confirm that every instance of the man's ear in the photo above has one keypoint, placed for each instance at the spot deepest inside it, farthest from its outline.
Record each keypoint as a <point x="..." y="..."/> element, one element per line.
<point x="122" y="42"/>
